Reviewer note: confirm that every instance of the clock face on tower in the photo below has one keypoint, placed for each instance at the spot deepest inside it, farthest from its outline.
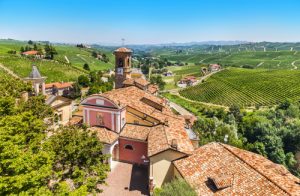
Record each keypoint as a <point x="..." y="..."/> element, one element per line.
<point x="120" y="71"/>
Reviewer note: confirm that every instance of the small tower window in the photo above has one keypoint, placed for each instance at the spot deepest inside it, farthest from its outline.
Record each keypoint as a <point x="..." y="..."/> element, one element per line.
<point x="128" y="147"/>
<point x="120" y="62"/>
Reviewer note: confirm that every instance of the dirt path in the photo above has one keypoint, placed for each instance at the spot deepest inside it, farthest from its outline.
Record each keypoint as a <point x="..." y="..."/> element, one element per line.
<point x="295" y="52"/>
<point x="293" y="64"/>
<point x="10" y="72"/>
<point x="67" y="59"/>
<point x="260" y="64"/>
<point x="204" y="103"/>
<point x="180" y="109"/>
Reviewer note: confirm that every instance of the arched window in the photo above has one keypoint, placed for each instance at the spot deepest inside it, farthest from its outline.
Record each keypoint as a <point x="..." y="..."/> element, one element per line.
<point x="128" y="147"/>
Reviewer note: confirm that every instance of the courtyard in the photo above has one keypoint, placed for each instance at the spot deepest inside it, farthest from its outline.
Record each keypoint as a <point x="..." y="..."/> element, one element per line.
<point x="126" y="179"/>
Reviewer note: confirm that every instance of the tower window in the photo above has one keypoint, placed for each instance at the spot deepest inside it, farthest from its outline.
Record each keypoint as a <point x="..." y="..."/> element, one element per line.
<point x="128" y="147"/>
<point x="120" y="62"/>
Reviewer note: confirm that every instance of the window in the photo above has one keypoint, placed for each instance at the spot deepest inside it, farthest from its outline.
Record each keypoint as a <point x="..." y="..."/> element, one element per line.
<point x="120" y="63"/>
<point x="128" y="147"/>
<point x="99" y="102"/>
<point x="136" y="122"/>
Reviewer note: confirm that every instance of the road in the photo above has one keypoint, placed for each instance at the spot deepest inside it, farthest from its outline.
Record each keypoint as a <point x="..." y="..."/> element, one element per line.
<point x="9" y="71"/>
<point x="180" y="109"/>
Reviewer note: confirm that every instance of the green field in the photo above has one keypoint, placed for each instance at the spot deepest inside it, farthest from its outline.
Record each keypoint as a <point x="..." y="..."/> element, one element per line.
<point x="56" y="70"/>
<point x="247" y="87"/>
<point x="256" y="59"/>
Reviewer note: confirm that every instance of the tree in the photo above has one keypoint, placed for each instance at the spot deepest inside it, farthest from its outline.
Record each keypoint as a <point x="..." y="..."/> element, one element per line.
<point x="83" y="80"/>
<point x="25" y="165"/>
<point x="86" y="67"/>
<point x="159" y="81"/>
<point x="77" y="157"/>
<point x="22" y="49"/>
<point x="75" y="91"/>
<point x="30" y="42"/>
<point x="7" y="106"/>
<point x="37" y="106"/>
<point x="176" y="187"/>
<point x="50" y="51"/>
<point x="94" y="54"/>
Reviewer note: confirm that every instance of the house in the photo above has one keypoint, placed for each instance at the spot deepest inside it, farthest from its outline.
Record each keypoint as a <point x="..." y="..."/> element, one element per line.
<point x="214" y="67"/>
<point x="140" y="128"/>
<point x="62" y="108"/>
<point x="187" y="81"/>
<point x="58" y="88"/>
<point x="33" y="53"/>
<point x="220" y="169"/>
<point x="168" y="73"/>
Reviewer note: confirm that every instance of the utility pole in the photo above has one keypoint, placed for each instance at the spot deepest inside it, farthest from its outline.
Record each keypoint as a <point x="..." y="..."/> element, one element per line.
<point x="123" y="41"/>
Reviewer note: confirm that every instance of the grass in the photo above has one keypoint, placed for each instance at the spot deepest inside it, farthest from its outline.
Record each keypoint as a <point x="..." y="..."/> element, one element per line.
<point x="54" y="71"/>
<point x="247" y="87"/>
<point x="57" y="70"/>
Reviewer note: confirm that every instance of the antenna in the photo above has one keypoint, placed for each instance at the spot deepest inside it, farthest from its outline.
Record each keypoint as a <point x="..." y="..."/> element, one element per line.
<point x="123" y="41"/>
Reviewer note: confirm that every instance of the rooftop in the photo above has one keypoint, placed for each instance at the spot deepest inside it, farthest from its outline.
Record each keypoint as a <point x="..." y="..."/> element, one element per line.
<point x="123" y="49"/>
<point x="59" y="85"/>
<point x="171" y="127"/>
<point x="104" y="135"/>
<point x="31" y="52"/>
<point x="221" y="169"/>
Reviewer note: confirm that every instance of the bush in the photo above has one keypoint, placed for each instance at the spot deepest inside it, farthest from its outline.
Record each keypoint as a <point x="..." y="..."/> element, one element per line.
<point x="177" y="187"/>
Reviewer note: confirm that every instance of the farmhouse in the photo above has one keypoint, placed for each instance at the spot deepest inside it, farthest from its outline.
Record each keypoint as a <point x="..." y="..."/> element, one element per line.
<point x="187" y="81"/>
<point x="33" y="53"/>
<point x="214" y="67"/>
<point x="58" y="88"/>
<point x="140" y="128"/>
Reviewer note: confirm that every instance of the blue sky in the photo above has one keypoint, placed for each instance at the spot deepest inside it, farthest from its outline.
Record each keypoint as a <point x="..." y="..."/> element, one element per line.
<point x="150" y="21"/>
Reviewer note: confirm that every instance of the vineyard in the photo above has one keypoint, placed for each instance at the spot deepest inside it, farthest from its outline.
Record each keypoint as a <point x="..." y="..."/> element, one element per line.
<point x="54" y="71"/>
<point x="6" y="87"/>
<point x="247" y="87"/>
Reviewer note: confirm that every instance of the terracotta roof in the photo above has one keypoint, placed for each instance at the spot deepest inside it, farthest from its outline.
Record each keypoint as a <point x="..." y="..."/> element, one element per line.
<point x="152" y="88"/>
<point x="75" y="120"/>
<point x="104" y="135"/>
<point x="160" y="139"/>
<point x="31" y="52"/>
<point x="141" y="81"/>
<point x="219" y="169"/>
<point x="59" y="84"/>
<point x="129" y="81"/>
<point x="136" y="132"/>
<point x="123" y="49"/>
<point x="133" y="81"/>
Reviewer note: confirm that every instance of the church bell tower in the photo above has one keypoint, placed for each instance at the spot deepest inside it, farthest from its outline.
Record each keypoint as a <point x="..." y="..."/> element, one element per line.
<point x="122" y="66"/>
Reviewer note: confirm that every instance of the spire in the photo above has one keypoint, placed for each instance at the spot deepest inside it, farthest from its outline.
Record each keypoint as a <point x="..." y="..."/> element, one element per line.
<point x="35" y="72"/>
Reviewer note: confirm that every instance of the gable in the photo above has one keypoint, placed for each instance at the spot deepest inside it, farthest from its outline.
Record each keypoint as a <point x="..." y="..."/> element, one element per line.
<point x="99" y="101"/>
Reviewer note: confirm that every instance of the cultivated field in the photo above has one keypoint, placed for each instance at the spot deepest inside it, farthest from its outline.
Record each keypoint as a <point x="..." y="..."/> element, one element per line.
<point x="58" y="69"/>
<point x="247" y="87"/>
<point x="254" y="59"/>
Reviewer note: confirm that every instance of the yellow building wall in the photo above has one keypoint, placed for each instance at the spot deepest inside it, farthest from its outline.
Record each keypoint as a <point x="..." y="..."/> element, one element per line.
<point x="161" y="167"/>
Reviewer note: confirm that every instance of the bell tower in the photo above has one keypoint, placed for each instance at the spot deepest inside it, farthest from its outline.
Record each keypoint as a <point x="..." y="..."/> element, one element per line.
<point x="122" y="66"/>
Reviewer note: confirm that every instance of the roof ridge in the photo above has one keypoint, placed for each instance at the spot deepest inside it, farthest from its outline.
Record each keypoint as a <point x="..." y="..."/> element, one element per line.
<point x="240" y="158"/>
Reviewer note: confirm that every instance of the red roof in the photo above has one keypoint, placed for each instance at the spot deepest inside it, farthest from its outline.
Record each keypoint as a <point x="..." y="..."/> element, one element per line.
<point x="59" y="84"/>
<point x="31" y="52"/>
